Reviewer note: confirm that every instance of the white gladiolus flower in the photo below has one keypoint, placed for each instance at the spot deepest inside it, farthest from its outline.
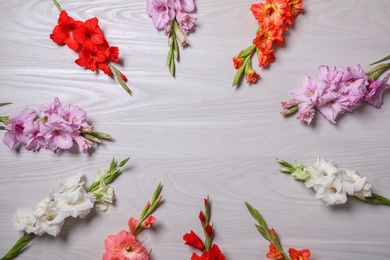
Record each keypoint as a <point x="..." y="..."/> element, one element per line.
<point x="331" y="192"/>
<point x="320" y="172"/>
<point x="50" y="217"/>
<point x="353" y="183"/>
<point x="73" y="199"/>
<point x="364" y="192"/>
<point x="25" y="220"/>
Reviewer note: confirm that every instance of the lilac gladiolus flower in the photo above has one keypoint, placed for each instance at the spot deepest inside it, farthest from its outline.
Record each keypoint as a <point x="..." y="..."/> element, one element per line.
<point x="52" y="127"/>
<point x="161" y="11"/>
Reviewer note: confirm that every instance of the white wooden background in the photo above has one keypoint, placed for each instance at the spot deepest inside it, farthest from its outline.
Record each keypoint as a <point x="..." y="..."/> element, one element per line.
<point x="195" y="133"/>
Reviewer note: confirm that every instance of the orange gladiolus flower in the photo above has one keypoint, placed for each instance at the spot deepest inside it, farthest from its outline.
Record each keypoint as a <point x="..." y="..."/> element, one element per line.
<point x="295" y="9"/>
<point x="265" y="57"/>
<point x="237" y="62"/>
<point x="303" y="254"/>
<point x="252" y="76"/>
<point x="272" y="11"/>
<point x="274" y="252"/>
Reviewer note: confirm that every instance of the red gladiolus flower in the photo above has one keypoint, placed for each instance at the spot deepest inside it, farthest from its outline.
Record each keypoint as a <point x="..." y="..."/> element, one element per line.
<point x="303" y="254"/>
<point x="193" y="240"/>
<point x="274" y="252"/>
<point x="63" y="33"/>
<point x="214" y="254"/>
<point x="90" y="32"/>
<point x="90" y="56"/>
<point x="209" y="230"/>
<point x="201" y="217"/>
<point x="112" y="53"/>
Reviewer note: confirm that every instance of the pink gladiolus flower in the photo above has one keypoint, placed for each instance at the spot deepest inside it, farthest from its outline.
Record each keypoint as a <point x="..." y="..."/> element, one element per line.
<point x="15" y="128"/>
<point x="83" y="143"/>
<point x="186" y="21"/>
<point x="305" y="113"/>
<point x="57" y="136"/>
<point x="161" y="11"/>
<point x="187" y="6"/>
<point x="51" y="108"/>
<point x="34" y="139"/>
<point x="124" y="246"/>
<point x="374" y="94"/>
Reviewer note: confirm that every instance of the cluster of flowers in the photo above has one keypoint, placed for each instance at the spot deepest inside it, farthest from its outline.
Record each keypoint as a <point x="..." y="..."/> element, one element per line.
<point x="275" y="247"/>
<point x="88" y="40"/>
<point x="72" y="200"/>
<point x="210" y="250"/>
<point x="274" y="17"/>
<point x="124" y="245"/>
<point x="333" y="184"/>
<point x="52" y="127"/>
<point x="174" y="17"/>
<point x="335" y="92"/>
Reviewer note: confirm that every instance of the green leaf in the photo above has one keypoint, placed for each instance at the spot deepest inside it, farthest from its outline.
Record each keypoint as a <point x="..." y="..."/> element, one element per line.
<point x="4" y="104"/>
<point x="384" y="59"/>
<point x="123" y="162"/>
<point x="256" y="215"/>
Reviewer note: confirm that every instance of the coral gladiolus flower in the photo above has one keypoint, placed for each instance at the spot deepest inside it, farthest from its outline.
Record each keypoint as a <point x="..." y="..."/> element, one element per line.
<point x="63" y="33"/>
<point x="124" y="246"/>
<point x="303" y="254"/>
<point x="274" y="252"/>
<point x="148" y="221"/>
<point x="193" y="240"/>
<point x="132" y="224"/>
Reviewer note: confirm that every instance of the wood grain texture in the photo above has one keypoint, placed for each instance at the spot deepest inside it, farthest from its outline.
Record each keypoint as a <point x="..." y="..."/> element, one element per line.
<point x="195" y="133"/>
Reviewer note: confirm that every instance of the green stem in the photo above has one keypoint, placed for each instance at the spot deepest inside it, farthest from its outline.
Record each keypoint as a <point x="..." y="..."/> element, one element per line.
<point x="377" y="199"/>
<point x="19" y="246"/>
<point x="58" y="5"/>
<point x="118" y="74"/>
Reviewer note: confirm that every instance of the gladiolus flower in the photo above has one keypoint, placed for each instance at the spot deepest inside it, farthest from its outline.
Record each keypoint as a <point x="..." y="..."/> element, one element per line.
<point x="274" y="252"/>
<point x="252" y="76"/>
<point x="193" y="240"/>
<point x="63" y="33"/>
<point x="214" y="254"/>
<point x="303" y="254"/>
<point x="237" y="62"/>
<point x="148" y="221"/>
<point x="124" y="246"/>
